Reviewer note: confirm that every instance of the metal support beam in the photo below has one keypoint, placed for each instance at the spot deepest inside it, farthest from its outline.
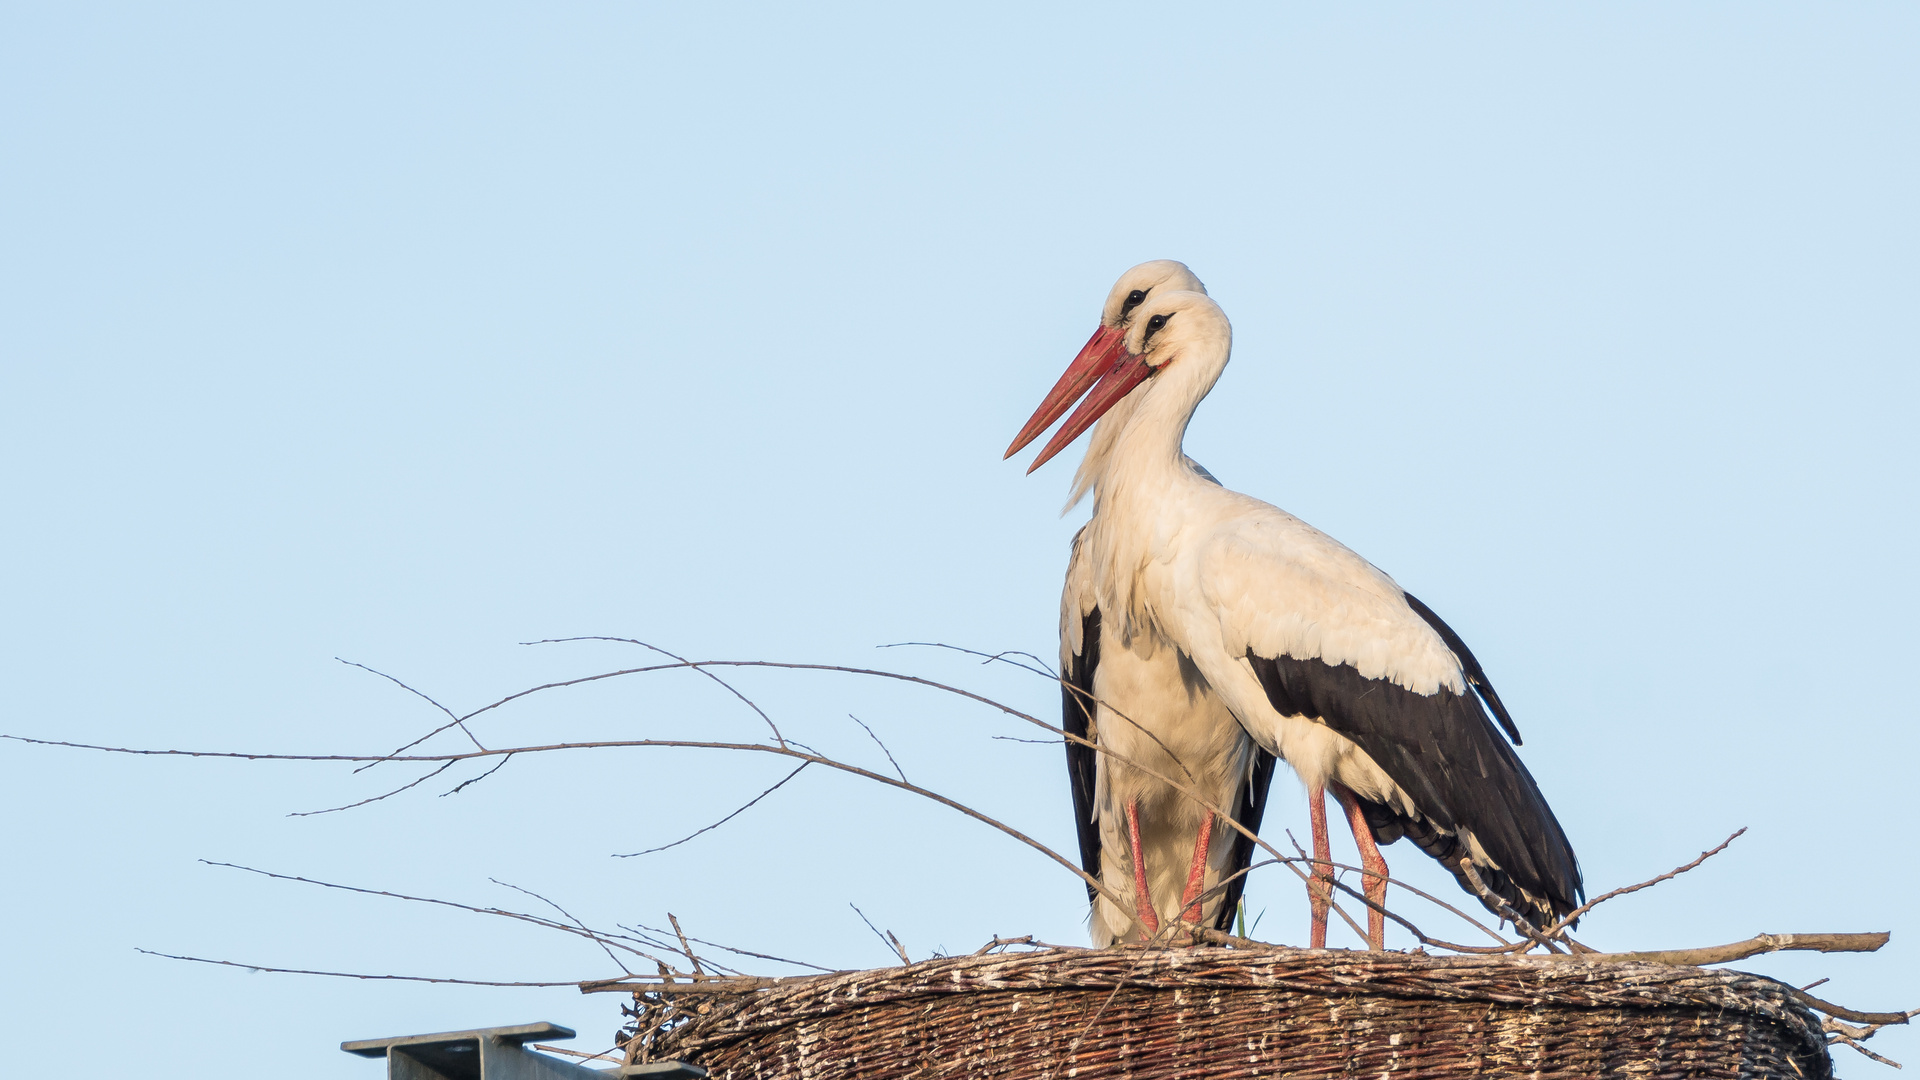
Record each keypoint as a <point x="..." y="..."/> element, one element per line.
<point x="498" y="1054"/>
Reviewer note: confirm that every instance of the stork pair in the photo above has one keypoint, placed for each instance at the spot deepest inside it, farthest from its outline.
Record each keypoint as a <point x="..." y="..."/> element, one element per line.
<point x="1205" y="634"/>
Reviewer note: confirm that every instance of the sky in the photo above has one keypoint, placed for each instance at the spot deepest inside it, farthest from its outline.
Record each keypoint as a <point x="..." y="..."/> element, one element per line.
<point x="401" y="335"/>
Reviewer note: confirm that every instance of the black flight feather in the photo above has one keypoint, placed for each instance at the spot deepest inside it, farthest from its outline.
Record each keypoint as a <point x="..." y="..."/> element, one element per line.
<point x="1083" y="761"/>
<point x="1253" y="807"/>
<point x="1442" y="750"/>
<point x="1476" y="678"/>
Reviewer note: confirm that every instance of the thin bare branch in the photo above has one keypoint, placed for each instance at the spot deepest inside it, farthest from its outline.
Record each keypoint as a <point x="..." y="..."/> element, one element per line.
<point x="697" y="832"/>
<point x="883" y="746"/>
<point x="416" y="782"/>
<point x="1568" y="919"/>
<point x="569" y="916"/>
<point x="690" y="984"/>
<point x="1499" y="904"/>
<point x="701" y="668"/>
<point x="743" y="952"/>
<point x="662" y="940"/>
<point x="464" y="784"/>
<point x="1833" y="1026"/>
<point x="1879" y="1020"/>
<point x="453" y="720"/>
<point x="685" y="947"/>
<point x="885" y="939"/>
<point x="1867" y="1052"/>
<point x="349" y="974"/>
<point x="518" y="916"/>
<point x="241" y="755"/>
<point x="604" y="1055"/>
<point x="1039" y="667"/>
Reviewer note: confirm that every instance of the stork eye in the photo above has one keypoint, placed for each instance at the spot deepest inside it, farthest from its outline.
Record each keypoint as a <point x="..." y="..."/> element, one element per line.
<point x="1134" y="300"/>
<point x="1154" y="326"/>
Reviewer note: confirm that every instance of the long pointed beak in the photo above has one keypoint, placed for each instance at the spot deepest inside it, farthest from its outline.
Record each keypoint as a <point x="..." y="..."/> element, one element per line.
<point x="1126" y="373"/>
<point x="1096" y="356"/>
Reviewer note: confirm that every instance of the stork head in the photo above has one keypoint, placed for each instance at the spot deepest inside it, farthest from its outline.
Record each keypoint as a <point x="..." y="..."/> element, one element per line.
<point x="1098" y="354"/>
<point x="1136" y="285"/>
<point x="1164" y="329"/>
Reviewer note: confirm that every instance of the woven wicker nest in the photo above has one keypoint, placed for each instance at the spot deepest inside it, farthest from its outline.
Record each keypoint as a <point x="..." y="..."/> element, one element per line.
<point x="1212" y="1012"/>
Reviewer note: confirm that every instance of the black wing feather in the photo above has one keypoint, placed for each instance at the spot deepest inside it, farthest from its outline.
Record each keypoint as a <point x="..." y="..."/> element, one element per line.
<point x="1476" y="678"/>
<point x="1083" y="761"/>
<point x="1252" y="807"/>
<point x="1443" y="751"/>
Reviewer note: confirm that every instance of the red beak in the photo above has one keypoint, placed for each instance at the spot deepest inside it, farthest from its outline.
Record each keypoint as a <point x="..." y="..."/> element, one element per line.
<point x="1096" y="356"/>
<point x="1126" y="373"/>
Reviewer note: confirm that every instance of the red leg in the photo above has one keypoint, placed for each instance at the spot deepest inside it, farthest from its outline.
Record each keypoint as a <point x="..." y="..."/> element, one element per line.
<point x="1197" y="873"/>
<point x="1320" y="884"/>
<point x="1142" y="899"/>
<point x="1374" y="879"/>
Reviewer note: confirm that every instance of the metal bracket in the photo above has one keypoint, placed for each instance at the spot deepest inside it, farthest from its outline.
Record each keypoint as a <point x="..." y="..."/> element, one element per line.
<point x="498" y="1054"/>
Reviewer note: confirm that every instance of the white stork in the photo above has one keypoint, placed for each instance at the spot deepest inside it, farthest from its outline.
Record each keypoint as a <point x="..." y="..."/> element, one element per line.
<point x="1167" y="727"/>
<point x="1207" y="624"/>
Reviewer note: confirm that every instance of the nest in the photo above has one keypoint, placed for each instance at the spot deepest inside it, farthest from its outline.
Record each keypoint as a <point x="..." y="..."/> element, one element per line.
<point x="1216" y="1012"/>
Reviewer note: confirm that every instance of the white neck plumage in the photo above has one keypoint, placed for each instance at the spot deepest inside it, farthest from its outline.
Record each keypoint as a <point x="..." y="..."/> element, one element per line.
<point x="1143" y="484"/>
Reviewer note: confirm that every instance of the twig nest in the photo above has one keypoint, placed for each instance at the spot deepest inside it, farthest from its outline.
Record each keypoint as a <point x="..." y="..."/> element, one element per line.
<point x="1215" y="1012"/>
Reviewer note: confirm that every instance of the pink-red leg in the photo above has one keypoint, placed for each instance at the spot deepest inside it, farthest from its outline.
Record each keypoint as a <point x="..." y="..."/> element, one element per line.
<point x="1197" y="873"/>
<point x="1373" y="880"/>
<point x="1142" y="899"/>
<point x="1320" y="883"/>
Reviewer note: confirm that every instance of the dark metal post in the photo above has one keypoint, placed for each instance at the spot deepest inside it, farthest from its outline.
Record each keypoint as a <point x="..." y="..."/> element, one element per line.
<point x="498" y="1054"/>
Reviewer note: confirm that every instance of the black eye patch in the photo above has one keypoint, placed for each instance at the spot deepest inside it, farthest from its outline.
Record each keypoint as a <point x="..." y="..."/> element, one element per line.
<point x="1154" y="326"/>
<point x="1134" y="300"/>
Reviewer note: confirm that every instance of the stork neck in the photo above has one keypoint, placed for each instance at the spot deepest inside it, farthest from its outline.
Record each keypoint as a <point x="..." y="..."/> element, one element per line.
<point x="1142" y="490"/>
<point x="1138" y="443"/>
<point x="1146" y="453"/>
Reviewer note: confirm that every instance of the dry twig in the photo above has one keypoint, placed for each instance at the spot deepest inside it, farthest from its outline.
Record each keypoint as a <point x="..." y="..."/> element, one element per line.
<point x="597" y="938"/>
<point x="348" y="974"/>
<point x="390" y="794"/>
<point x="1500" y="905"/>
<point x="886" y="939"/>
<point x="604" y="1055"/>
<point x="1569" y="918"/>
<point x="999" y="942"/>
<point x="698" y="832"/>
<point x="883" y="746"/>
<point x="454" y="721"/>
<point x="737" y="951"/>
<point x="685" y="947"/>
<point x="1740" y="950"/>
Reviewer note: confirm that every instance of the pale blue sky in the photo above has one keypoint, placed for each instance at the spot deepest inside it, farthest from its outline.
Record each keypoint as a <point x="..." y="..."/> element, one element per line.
<point x="404" y="334"/>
